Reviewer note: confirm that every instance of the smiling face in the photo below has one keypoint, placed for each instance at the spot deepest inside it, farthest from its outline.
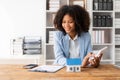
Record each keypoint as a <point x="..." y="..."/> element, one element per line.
<point x="68" y="24"/>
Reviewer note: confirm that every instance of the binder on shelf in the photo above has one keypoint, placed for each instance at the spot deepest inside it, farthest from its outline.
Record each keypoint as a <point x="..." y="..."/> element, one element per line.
<point x="95" y="20"/>
<point x="108" y="21"/>
<point x="117" y="36"/>
<point x="95" y="4"/>
<point x="93" y="38"/>
<point x="104" y="5"/>
<point x="51" y="37"/>
<point x="54" y="5"/>
<point x="117" y="32"/>
<point x="99" y="20"/>
<point x="117" y="5"/>
<point x="102" y="36"/>
<point x="100" y="5"/>
<point x="81" y="3"/>
<point x="103" y="23"/>
<point x="109" y="4"/>
<point x="98" y="37"/>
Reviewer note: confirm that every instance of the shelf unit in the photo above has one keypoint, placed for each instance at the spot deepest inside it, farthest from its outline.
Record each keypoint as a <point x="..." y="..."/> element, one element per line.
<point x="26" y="50"/>
<point x="102" y="28"/>
<point x="32" y="46"/>
<point x="117" y="30"/>
<point x="104" y="32"/>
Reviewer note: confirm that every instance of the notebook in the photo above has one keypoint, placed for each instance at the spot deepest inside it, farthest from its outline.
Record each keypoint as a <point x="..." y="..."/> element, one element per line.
<point x="46" y="68"/>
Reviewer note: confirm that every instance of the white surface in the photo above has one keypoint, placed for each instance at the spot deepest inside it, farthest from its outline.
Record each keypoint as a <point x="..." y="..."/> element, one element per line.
<point x="47" y="68"/>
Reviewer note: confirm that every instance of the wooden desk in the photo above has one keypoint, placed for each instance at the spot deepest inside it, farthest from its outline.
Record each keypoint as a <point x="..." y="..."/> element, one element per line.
<point x="103" y="72"/>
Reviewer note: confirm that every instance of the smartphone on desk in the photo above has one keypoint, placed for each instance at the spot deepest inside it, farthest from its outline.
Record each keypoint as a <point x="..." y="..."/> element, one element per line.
<point x="30" y="66"/>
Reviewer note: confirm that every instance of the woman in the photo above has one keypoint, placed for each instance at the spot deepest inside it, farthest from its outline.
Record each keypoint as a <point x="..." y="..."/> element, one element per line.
<point x="72" y="39"/>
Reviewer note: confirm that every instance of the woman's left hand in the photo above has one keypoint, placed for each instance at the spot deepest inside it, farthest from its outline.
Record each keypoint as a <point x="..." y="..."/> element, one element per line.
<point x="95" y="61"/>
<point x="92" y="62"/>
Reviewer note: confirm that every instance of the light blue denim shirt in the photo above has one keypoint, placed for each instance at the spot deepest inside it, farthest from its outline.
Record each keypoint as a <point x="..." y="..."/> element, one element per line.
<point x="61" y="46"/>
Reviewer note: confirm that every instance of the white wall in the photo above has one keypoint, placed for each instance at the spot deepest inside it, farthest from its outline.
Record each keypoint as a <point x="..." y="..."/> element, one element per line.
<point x="20" y="18"/>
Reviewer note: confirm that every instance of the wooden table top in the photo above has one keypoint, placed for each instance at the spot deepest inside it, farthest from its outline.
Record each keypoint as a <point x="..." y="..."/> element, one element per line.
<point x="17" y="72"/>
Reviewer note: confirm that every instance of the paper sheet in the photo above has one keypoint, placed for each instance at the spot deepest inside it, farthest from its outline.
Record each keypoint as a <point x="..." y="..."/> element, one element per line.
<point x="46" y="68"/>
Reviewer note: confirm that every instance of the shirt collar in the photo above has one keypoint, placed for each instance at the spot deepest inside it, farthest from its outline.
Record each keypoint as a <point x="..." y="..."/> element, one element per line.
<point x="74" y="37"/>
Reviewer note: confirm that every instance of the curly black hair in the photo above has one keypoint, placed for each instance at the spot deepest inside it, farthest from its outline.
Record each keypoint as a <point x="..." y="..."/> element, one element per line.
<point x="79" y="15"/>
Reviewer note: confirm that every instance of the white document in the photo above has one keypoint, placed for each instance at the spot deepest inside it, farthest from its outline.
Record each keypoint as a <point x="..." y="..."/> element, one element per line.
<point x="98" y="53"/>
<point x="46" y="68"/>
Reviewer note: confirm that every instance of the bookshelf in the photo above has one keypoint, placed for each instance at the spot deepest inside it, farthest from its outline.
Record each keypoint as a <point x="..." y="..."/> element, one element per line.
<point x="117" y="30"/>
<point x="104" y="27"/>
